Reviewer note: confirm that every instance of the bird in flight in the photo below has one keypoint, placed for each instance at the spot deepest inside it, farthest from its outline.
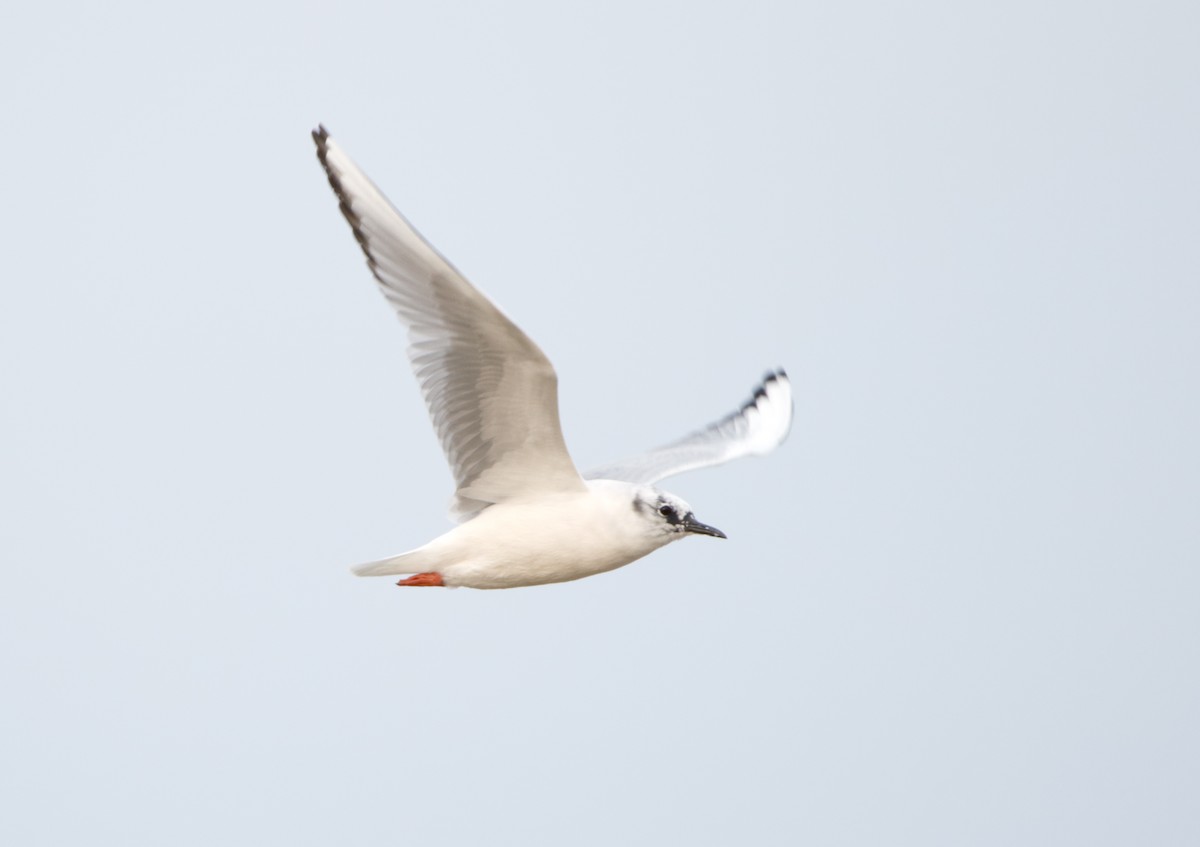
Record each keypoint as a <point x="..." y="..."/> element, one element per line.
<point x="526" y="515"/>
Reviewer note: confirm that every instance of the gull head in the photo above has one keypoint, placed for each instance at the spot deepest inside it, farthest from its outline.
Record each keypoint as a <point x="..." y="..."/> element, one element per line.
<point x="668" y="516"/>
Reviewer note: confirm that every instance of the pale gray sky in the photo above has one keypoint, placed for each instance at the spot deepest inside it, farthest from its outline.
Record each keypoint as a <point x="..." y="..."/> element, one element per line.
<point x="960" y="606"/>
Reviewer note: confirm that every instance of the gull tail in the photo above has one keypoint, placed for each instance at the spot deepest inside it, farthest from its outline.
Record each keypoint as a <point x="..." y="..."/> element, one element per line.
<point x="414" y="561"/>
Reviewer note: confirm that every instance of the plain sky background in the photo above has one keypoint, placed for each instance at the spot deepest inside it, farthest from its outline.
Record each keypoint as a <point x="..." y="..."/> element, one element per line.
<point x="960" y="606"/>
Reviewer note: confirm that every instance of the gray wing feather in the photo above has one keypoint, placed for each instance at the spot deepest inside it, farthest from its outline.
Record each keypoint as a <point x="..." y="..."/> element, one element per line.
<point x="757" y="428"/>
<point x="492" y="394"/>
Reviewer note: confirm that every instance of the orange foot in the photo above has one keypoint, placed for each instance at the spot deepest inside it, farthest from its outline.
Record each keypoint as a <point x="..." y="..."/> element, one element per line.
<point x="423" y="579"/>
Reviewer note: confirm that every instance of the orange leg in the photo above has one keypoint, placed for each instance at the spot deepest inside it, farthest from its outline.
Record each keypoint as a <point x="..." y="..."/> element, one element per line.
<point x="422" y="579"/>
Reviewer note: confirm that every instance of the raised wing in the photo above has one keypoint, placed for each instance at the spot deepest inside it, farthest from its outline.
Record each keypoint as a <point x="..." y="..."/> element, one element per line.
<point x="755" y="429"/>
<point x="492" y="394"/>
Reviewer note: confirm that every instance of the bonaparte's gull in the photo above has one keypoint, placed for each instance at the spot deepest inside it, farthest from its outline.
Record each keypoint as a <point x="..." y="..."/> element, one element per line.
<point x="527" y="516"/>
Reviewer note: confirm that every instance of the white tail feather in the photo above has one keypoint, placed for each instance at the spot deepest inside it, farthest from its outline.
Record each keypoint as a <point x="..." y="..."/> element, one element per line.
<point x="414" y="561"/>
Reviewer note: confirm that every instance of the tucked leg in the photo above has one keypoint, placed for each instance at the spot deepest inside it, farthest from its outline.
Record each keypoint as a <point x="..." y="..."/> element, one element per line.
<point x="422" y="579"/>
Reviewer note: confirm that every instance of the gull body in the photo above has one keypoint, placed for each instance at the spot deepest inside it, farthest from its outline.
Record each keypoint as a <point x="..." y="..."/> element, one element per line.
<point x="528" y="517"/>
<point x="552" y="539"/>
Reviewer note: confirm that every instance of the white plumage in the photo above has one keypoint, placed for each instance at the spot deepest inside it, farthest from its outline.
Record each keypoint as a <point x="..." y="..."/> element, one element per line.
<point x="528" y="516"/>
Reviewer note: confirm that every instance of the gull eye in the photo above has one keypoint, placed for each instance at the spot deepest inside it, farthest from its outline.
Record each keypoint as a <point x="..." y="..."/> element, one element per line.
<point x="666" y="511"/>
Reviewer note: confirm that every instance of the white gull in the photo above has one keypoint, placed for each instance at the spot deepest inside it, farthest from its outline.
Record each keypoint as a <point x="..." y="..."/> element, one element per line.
<point x="527" y="516"/>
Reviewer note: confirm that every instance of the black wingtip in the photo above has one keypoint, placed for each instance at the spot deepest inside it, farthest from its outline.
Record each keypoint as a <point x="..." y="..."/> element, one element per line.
<point x="760" y="391"/>
<point x="320" y="137"/>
